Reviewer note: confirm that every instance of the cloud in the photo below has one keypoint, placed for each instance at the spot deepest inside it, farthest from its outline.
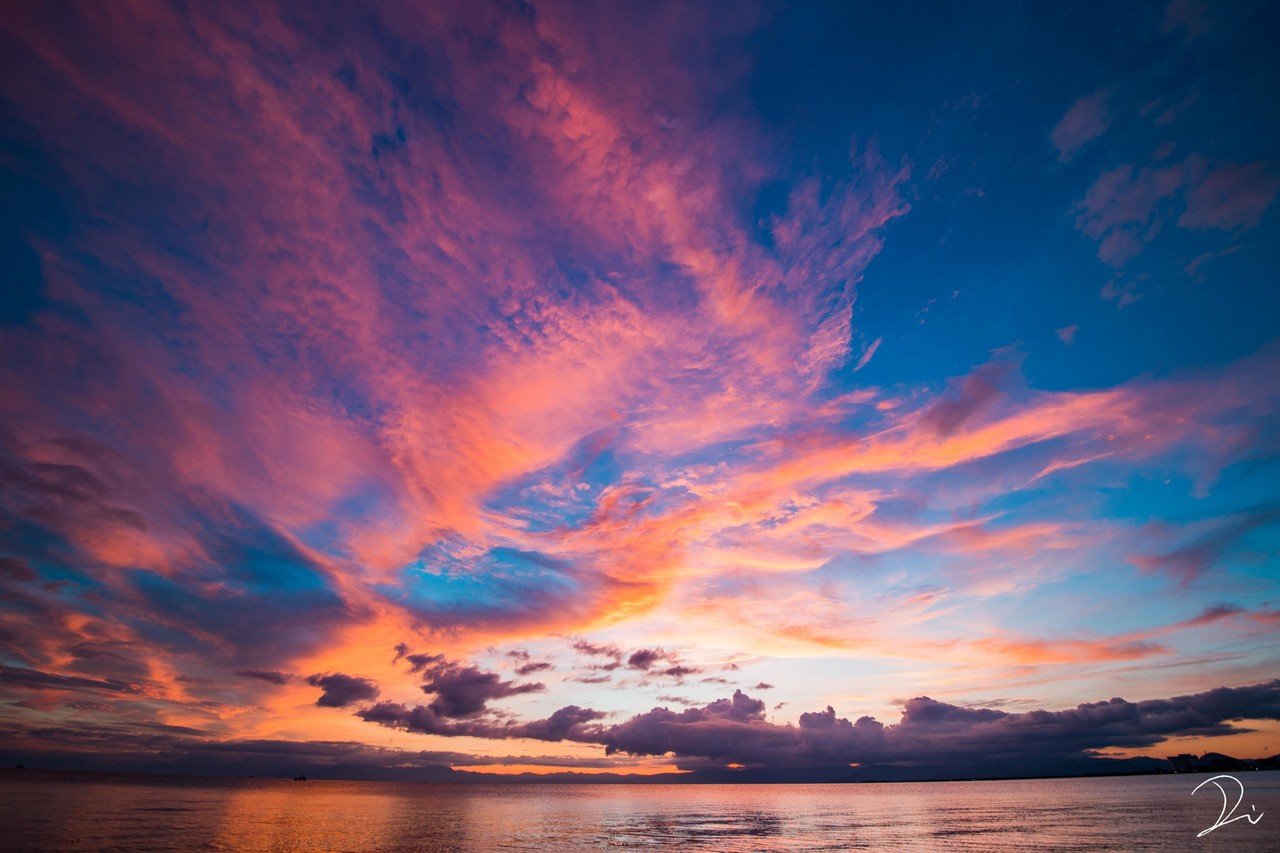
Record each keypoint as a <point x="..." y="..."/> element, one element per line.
<point x="17" y="569"/>
<point x="174" y="749"/>
<point x="463" y="690"/>
<point x="568" y="723"/>
<point x="502" y="349"/>
<point x="532" y="667"/>
<point x="270" y="676"/>
<point x="646" y="658"/>
<point x="340" y="690"/>
<point x="1127" y="207"/>
<point x="1209" y="543"/>
<point x="932" y="737"/>
<point x="1086" y="120"/>
<point x="612" y="654"/>
<point x="14" y="676"/>
<point x="933" y="733"/>
<point x="527" y="665"/>
<point x="593" y="679"/>
<point x="597" y="650"/>
<point x="1213" y="614"/>
<point x="561" y="725"/>
<point x="660" y="662"/>
<point x="1231" y="196"/>
<point x="976" y="392"/>
<point x="868" y="354"/>
<point x="1040" y="652"/>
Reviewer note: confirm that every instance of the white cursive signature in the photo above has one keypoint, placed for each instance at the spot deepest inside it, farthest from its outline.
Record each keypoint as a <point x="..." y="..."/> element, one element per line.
<point x="1225" y="817"/>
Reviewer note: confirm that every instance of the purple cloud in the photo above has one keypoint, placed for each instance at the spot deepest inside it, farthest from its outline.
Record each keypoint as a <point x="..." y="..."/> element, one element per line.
<point x="1209" y="543"/>
<point x="1231" y="196"/>
<point x="646" y="658"/>
<point x="568" y="723"/>
<point x="735" y="730"/>
<point x="340" y="690"/>
<point x="1086" y="120"/>
<point x="462" y="690"/>
<point x="270" y="676"/>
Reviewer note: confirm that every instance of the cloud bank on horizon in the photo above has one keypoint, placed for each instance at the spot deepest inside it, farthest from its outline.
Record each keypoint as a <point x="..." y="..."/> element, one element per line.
<point x="612" y="388"/>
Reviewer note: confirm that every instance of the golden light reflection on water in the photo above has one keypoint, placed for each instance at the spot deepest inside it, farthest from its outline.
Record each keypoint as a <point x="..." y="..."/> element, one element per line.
<point x="77" y="812"/>
<point x="546" y="769"/>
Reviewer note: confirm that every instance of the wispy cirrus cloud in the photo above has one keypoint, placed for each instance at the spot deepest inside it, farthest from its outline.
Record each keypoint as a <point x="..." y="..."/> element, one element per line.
<point x="479" y="327"/>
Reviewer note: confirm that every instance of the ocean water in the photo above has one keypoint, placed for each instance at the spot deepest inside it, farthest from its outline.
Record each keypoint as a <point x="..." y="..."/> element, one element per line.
<point x="66" y="811"/>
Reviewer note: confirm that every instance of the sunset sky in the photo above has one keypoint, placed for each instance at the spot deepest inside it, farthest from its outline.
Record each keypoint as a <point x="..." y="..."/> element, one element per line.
<point x="637" y="386"/>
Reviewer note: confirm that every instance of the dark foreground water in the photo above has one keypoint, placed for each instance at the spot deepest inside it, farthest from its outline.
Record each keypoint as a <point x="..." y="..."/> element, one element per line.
<point x="53" y="811"/>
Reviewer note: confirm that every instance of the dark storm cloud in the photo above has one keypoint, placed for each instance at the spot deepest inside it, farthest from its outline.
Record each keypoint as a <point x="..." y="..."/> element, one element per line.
<point x="341" y="690"/>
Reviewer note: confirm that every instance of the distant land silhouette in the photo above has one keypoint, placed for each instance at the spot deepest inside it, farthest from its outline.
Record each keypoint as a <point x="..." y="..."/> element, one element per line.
<point x="1210" y="762"/>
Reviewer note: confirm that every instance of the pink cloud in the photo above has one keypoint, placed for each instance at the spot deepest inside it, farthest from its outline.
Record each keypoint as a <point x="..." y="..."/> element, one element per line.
<point x="868" y="354"/>
<point x="1127" y="207"/>
<point x="391" y="330"/>
<point x="1124" y="209"/>
<point x="1231" y="196"/>
<point x="1086" y="120"/>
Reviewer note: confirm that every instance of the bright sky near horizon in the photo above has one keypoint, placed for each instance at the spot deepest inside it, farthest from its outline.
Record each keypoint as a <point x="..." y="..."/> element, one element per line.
<point x="480" y="379"/>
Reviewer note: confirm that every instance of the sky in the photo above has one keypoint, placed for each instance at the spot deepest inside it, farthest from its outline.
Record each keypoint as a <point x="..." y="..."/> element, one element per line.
<point x="415" y="390"/>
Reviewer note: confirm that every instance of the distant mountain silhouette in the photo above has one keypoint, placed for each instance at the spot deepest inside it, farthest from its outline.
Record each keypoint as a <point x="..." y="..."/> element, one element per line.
<point x="1216" y="762"/>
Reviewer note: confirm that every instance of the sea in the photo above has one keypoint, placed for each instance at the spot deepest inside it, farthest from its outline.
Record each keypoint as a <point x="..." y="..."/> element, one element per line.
<point x="44" y="810"/>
